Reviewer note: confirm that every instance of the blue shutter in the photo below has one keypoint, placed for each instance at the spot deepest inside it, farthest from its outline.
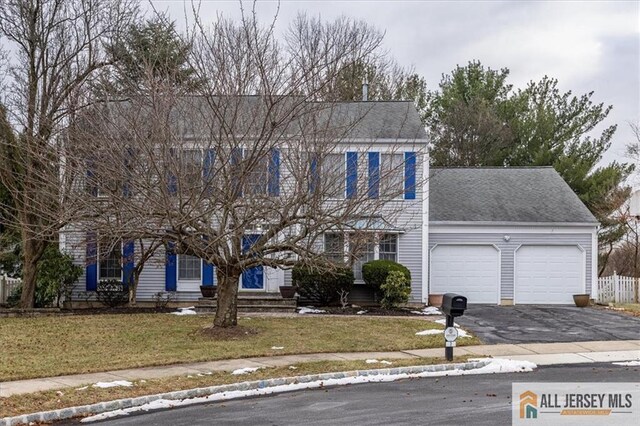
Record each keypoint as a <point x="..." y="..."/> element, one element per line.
<point x="126" y="185"/>
<point x="352" y="174"/>
<point x="128" y="254"/>
<point x="172" y="180"/>
<point x="236" y="160"/>
<point x="170" y="268"/>
<point x="207" y="274"/>
<point x="207" y="169"/>
<point x="273" y="183"/>
<point x="314" y="175"/>
<point x="374" y="174"/>
<point x="91" y="184"/>
<point x="409" y="175"/>
<point x="91" y="269"/>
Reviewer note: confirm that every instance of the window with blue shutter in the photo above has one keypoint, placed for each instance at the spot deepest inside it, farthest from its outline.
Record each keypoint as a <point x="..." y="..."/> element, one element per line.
<point x="128" y="254"/>
<point x="170" y="270"/>
<point x="374" y="174"/>
<point x="172" y="180"/>
<point x="91" y="262"/>
<point x="208" y="170"/>
<point x="352" y="174"/>
<point x="314" y="173"/>
<point x="273" y="180"/>
<point x="207" y="274"/>
<point x="409" y="175"/>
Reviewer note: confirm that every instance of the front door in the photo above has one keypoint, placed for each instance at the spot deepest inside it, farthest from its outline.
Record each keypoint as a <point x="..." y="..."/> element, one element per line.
<point x="252" y="278"/>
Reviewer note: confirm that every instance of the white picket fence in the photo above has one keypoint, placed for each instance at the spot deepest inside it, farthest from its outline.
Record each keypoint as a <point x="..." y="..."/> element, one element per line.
<point x="6" y="287"/>
<point x="617" y="289"/>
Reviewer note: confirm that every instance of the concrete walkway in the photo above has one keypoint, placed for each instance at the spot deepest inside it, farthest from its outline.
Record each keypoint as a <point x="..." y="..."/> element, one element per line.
<point x="539" y="353"/>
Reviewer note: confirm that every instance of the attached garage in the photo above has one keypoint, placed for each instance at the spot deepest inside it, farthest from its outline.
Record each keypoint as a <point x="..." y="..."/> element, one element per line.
<point x="472" y="270"/>
<point x="548" y="274"/>
<point x="509" y="235"/>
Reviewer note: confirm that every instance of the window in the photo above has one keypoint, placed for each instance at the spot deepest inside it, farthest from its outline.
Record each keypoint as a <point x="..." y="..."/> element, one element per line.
<point x="334" y="247"/>
<point x="110" y="260"/>
<point x="189" y="267"/>
<point x="257" y="174"/>
<point x="333" y="175"/>
<point x="191" y="162"/>
<point x="389" y="247"/>
<point x="362" y="250"/>
<point x="391" y="175"/>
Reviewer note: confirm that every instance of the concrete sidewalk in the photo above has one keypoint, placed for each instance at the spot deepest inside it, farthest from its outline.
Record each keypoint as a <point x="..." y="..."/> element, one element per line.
<point x="539" y="353"/>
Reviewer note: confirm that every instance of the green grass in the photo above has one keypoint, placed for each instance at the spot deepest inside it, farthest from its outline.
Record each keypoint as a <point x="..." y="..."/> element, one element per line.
<point x="52" y="400"/>
<point x="633" y="308"/>
<point x="52" y="346"/>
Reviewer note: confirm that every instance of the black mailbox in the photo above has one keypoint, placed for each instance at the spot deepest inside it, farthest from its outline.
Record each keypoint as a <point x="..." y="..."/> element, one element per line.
<point x="453" y="304"/>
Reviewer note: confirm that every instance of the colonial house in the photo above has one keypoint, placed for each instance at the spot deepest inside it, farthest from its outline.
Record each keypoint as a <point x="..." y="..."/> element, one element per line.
<point x="495" y="235"/>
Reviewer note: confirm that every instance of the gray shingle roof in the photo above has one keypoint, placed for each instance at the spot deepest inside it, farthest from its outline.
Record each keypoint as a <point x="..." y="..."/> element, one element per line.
<point x="529" y="194"/>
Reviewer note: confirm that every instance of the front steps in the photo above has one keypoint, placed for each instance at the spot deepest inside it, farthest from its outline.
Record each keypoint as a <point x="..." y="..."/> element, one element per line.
<point x="252" y="302"/>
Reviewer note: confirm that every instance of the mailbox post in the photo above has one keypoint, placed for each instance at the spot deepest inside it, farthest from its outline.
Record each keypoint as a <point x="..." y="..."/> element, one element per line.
<point x="453" y="305"/>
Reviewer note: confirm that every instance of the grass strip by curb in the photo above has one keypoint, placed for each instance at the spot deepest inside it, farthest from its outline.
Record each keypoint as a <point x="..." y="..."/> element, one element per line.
<point x="101" y="407"/>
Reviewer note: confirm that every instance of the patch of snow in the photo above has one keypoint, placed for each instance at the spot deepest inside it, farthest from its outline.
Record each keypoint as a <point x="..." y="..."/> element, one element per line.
<point x="277" y="348"/>
<point x="628" y="363"/>
<point x="113" y="384"/>
<point x="293" y="367"/>
<point x="494" y="366"/>
<point x="429" y="310"/>
<point x="385" y="362"/>
<point x="310" y="310"/>
<point x="245" y="370"/>
<point x="429" y="332"/>
<point x="361" y="312"/>
<point x="372" y="361"/>
<point x="143" y="381"/>
<point x="461" y="332"/>
<point x="185" y="311"/>
<point x="83" y="388"/>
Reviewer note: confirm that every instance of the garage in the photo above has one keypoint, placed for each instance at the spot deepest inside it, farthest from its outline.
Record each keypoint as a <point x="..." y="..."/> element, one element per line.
<point x="548" y="274"/>
<point x="471" y="270"/>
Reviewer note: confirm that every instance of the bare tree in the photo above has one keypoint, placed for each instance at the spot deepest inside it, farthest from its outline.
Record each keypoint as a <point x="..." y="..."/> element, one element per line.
<point x="249" y="170"/>
<point x="57" y="50"/>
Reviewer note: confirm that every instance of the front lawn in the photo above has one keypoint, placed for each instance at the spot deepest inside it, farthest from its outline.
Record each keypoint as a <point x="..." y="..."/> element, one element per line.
<point x="52" y="346"/>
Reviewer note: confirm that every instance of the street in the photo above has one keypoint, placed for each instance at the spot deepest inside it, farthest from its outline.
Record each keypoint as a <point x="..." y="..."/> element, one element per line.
<point x="477" y="400"/>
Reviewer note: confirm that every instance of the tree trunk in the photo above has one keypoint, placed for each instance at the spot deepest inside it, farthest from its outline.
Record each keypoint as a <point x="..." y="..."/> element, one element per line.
<point x="227" y="306"/>
<point x="31" y="254"/>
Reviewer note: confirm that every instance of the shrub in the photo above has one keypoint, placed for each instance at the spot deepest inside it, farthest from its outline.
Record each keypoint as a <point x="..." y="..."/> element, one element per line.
<point x="374" y="273"/>
<point x="55" y="277"/>
<point x="112" y="293"/>
<point x="395" y="290"/>
<point x="322" y="287"/>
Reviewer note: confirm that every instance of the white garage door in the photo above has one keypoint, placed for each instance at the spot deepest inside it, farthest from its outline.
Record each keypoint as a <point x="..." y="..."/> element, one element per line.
<point x="472" y="271"/>
<point x="548" y="274"/>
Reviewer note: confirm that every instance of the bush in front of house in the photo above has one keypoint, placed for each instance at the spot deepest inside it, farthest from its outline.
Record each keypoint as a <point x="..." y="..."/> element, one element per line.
<point x="395" y="290"/>
<point x="321" y="286"/>
<point x="375" y="272"/>
<point x="112" y="293"/>
<point x="55" y="276"/>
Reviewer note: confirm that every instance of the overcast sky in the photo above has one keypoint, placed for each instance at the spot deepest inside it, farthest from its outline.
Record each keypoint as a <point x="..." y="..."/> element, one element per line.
<point x="587" y="46"/>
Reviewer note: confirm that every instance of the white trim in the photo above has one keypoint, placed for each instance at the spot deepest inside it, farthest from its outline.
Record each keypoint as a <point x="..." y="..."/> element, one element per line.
<point x="472" y="244"/>
<point x="500" y="223"/>
<point x="594" y="263"/>
<point x="582" y="269"/>
<point x="425" y="265"/>
<point x="510" y="229"/>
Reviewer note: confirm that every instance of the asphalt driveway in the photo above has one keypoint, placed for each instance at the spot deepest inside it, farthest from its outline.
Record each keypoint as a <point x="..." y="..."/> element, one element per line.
<point x="545" y="323"/>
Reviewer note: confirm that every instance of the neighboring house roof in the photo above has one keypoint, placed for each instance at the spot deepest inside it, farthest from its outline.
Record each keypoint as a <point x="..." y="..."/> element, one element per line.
<point x="518" y="195"/>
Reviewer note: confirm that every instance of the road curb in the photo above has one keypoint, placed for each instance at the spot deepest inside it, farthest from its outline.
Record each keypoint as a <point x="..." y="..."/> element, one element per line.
<point x="101" y="407"/>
